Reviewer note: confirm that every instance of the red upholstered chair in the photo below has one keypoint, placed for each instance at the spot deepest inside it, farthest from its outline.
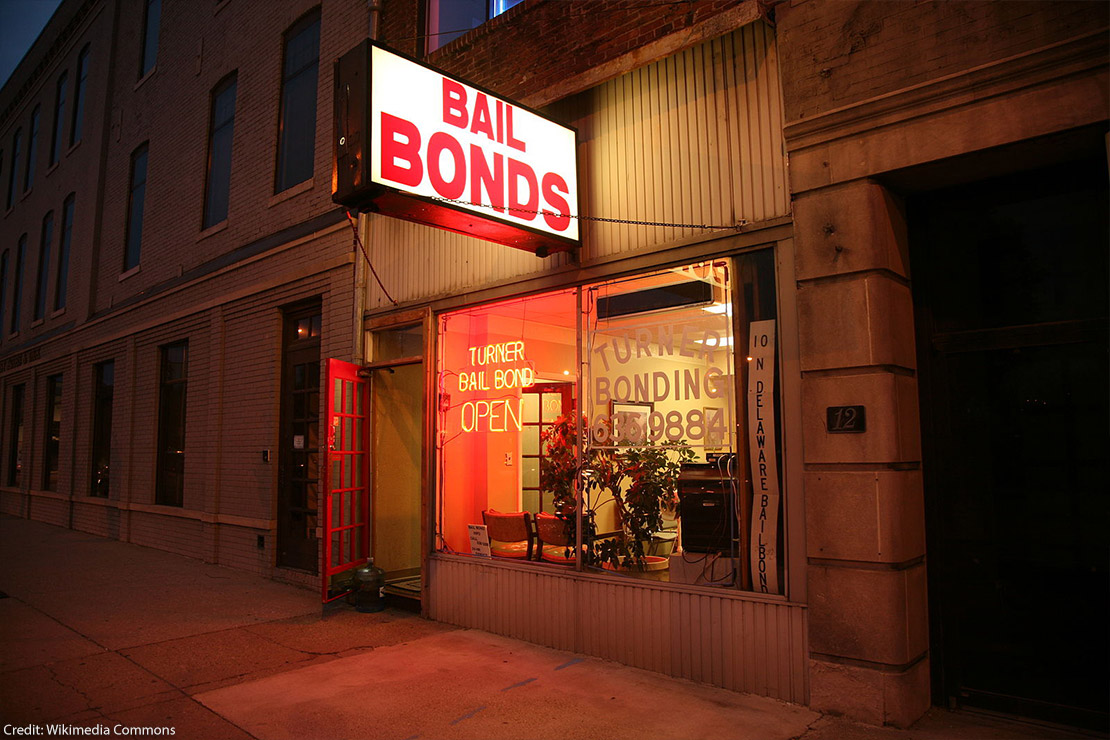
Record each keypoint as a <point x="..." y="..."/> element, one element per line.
<point x="554" y="536"/>
<point x="510" y="534"/>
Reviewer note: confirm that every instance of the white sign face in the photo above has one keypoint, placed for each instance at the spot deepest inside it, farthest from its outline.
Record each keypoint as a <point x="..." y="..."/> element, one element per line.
<point x="436" y="137"/>
<point x="764" y="457"/>
<point x="479" y="540"/>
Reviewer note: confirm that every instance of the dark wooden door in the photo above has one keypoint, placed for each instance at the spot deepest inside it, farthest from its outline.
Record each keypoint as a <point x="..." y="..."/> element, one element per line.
<point x="299" y="455"/>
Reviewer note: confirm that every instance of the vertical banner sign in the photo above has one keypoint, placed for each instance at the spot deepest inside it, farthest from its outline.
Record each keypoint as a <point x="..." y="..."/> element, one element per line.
<point x="764" y="456"/>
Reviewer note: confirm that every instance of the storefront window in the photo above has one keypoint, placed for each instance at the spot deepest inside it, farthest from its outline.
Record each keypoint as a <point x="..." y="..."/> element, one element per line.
<point x="667" y="471"/>
<point x="506" y="372"/>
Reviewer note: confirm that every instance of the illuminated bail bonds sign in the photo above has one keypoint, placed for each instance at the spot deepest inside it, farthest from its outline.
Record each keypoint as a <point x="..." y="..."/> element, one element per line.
<point x="445" y="153"/>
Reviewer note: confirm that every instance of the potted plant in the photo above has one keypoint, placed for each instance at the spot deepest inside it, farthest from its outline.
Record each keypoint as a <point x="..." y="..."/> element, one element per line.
<point x="559" y="465"/>
<point x="641" y="479"/>
<point x="648" y="486"/>
<point x="559" y="475"/>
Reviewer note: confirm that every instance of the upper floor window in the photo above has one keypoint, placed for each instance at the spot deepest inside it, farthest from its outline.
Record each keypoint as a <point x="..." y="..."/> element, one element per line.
<point x="79" y="96"/>
<point x="17" y="150"/>
<point x="61" y="280"/>
<point x="218" y="186"/>
<point x="44" y="265"/>
<point x="135" y="208"/>
<point x="152" y="17"/>
<point x="17" y="283"/>
<point x="59" y="118"/>
<point x="297" y="137"/>
<point x="32" y="145"/>
<point x="449" y="19"/>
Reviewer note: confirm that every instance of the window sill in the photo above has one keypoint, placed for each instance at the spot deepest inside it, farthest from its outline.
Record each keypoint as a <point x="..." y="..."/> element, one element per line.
<point x="37" y="323"/>
<point x="165" y="510"/>
<point x="220" y="6"/>
<point x="150" y="73"/>
<point x="26" y="193"/>
<point x="73" y="146"/>
<point x="284" y="195"/>
<point x="52" y="167"/>
<point x="212" y="230"/>
<point x="57" y="312"/>
<point x="586" y="575"/>
<point x="43" y="493"/>
<point x="133" y="271"/>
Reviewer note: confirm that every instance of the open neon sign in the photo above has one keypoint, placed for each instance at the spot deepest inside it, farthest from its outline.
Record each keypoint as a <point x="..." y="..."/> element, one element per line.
<point x="495" y="414"/>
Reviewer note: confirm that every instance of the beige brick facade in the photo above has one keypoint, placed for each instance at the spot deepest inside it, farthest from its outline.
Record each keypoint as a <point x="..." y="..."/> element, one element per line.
<point x="222" y="289"/>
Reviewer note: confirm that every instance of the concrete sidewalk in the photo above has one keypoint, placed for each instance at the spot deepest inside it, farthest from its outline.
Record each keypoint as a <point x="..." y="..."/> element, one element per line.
<point x="100" y="633"/>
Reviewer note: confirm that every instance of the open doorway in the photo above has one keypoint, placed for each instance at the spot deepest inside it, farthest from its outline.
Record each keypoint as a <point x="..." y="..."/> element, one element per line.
<point x="397" y="462"/>
<point x="1010" y="291"/>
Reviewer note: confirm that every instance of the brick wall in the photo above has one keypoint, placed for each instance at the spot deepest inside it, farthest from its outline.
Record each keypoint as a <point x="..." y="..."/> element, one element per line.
<point x="230" y="312"/>
<point x="170" y="108"/>
<point x="539" y="44"/>
<point x="76" y="168"/>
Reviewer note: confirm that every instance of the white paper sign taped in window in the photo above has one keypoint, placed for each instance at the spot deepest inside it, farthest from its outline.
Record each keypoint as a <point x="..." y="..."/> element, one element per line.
<point x="479" y="540"/>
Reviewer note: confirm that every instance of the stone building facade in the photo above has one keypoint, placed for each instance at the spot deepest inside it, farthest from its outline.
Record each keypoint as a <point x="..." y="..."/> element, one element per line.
<point x="880" y="180"/>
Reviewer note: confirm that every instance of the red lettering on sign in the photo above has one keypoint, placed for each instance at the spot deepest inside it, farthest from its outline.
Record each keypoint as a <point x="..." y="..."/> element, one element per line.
<point x="492" y="180"/>
<point x="454" y="103"/>
<point x="554" y="184"/>
<point x="400" y="147"/>
<point x="516" y="172"/>
<point x="514" y="143"/>
<point x="437" y="145"/>
<point x="491" y="177"/>
<point x="480" y="122"/>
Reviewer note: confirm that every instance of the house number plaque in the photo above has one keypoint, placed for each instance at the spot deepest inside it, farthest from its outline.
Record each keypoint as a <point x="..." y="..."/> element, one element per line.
<point x="846" y="419"/>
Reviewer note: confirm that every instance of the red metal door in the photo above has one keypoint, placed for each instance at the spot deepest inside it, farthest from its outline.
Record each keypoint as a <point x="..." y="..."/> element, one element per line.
<point x="346" y="493"/>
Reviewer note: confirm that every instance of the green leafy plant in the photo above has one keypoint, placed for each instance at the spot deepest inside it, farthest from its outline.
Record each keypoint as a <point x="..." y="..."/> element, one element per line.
<point x="559" y="465"/>
<point x="559" y="476"/>
<point x="652" y="487"/>
<point x="642" y="481"/>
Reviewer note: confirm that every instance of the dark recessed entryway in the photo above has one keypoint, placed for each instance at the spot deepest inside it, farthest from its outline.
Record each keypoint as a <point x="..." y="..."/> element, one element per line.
<point x="1010" y="280"/>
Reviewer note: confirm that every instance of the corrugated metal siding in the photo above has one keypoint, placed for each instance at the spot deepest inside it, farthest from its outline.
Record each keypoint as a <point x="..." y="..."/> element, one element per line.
<point x="695" y="138"/>
<point x="751" y="646"/>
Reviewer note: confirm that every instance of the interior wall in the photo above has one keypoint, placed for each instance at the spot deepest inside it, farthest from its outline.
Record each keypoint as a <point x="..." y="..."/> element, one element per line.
<point x="396" y="439"/>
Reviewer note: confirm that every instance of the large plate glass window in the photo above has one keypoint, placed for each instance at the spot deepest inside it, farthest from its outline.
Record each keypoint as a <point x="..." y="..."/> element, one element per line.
<point x="660" y="455"/>
<point x="492" y="362"/>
